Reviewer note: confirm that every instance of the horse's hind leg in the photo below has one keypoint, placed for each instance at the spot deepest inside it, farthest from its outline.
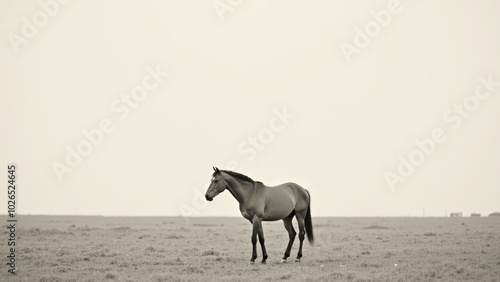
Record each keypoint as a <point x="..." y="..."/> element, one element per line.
<point x="302" y="231"/>
<point x="291" y="235"/>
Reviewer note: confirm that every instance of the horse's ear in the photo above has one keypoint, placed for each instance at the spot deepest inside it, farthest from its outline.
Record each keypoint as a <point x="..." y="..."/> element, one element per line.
<point x="217" y="170"/>
<point x="214" y="168"/>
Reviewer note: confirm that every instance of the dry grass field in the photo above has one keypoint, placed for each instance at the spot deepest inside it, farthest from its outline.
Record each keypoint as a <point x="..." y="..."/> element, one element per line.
<point x="64" y="248"/>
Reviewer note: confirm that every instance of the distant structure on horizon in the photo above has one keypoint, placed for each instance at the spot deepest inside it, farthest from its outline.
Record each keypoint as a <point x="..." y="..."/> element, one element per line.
<point x="494" y="214"/>
<point x="456" y="214"/>
<point x="475" y="215"/>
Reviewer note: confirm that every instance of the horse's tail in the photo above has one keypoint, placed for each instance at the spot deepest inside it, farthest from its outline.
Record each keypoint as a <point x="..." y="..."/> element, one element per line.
<point x="308" y="222"/>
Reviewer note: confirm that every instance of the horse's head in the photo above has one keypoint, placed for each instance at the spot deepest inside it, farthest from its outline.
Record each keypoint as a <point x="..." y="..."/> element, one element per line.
<point x="217" y="185"/>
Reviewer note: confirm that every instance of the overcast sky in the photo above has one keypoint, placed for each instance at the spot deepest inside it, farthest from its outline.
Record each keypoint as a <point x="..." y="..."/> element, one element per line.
<point x="378" y="108"/>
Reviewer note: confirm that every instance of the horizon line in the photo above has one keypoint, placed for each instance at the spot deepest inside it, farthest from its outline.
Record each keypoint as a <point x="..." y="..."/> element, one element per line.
<point x="231" y="216"/>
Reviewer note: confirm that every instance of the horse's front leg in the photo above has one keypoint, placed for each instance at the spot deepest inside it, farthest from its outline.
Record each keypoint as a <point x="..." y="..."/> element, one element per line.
<point x="256" y="224"/>
<point x="261" y="241"/>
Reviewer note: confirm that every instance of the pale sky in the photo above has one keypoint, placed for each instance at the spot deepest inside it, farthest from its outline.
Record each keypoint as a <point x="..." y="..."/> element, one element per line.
<point x="352" y="111"/>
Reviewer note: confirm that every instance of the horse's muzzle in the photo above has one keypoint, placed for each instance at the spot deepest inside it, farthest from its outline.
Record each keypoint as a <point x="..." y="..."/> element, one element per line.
<point x="208" y="198"/>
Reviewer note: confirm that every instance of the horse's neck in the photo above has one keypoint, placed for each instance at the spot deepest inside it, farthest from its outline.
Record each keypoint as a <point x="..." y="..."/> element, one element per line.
<point x="240" y="190"/>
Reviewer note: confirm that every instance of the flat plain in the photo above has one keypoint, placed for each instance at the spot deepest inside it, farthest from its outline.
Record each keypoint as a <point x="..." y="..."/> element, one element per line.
<point x="86" y="248"/>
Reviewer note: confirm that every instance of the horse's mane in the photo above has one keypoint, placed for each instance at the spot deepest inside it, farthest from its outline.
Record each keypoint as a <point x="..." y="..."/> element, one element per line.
<point x="237" y="175"/>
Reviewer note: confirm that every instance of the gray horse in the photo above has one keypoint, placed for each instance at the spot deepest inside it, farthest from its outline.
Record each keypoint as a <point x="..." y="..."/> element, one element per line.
<point x="259" y="202"/>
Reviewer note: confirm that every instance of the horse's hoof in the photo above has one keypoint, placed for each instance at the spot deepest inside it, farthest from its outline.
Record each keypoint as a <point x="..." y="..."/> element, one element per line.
<point x="251" y="262"/>
<point x="297" y="260"/>
<point x="283" y="261"/>
<point x="263" y="262"/>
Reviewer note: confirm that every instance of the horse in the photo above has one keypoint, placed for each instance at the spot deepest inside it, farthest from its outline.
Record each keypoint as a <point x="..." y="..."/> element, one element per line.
<point x="259" y="202"/>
